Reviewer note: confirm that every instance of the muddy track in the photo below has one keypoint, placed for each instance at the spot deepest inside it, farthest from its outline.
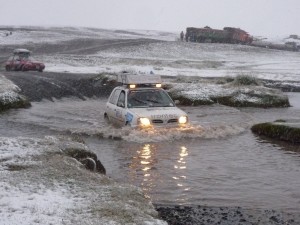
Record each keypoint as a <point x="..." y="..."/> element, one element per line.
<point x="37" y="86"/>
<point x="76" y="46"/>
<point x="92" y="46"/>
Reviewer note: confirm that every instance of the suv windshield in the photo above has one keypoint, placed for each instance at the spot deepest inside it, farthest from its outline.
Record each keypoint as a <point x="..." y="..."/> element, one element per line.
<point x="30" y="58"/>
<point x="148" y="98"/>
<point x="23" y="55"/>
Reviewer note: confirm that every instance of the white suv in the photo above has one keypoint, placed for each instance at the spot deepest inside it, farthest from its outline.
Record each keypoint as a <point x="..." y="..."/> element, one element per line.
<point x="141" y="102"/>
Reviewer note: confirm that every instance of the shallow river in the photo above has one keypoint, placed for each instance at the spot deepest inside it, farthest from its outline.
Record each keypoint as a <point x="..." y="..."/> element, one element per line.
<point x="217" y="161"/>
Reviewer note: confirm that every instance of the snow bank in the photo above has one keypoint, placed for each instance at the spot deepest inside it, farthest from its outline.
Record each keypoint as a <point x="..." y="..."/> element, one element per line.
<point x="230" y="94"/>
<point x="7" y="86"/>
<point x="39" y="184"/>
<point x="9" y="97"/>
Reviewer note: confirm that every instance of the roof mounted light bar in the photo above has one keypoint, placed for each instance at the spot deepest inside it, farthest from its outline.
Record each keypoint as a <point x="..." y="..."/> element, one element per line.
<point x="139" y="79"/>
<point x="133" y="86"/>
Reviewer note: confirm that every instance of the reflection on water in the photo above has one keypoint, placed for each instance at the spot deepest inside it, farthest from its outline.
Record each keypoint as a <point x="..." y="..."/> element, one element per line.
<point x="143" y="168"/>
<point x="181" y="165"/>
<point x="181" y="175"/>
<point x="143" y="163"/>
<point x="240" y="170"/>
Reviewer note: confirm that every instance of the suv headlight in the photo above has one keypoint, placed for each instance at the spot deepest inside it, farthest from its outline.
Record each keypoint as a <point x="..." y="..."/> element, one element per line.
<point x="183" y="120"/>
<point x="144" y="121"/>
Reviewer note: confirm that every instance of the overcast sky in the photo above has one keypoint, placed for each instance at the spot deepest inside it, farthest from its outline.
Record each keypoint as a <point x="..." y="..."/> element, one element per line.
<point x="258" y="17"/>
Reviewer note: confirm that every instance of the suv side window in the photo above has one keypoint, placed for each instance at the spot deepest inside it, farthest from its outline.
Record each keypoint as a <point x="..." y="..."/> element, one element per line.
<point x="114" y="97"/>
<point x="16" y="57"/>
<point x="121" y="100"/>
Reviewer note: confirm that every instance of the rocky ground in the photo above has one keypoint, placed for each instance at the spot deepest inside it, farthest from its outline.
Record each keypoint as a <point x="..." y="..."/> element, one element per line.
<point x="204" y="215"/>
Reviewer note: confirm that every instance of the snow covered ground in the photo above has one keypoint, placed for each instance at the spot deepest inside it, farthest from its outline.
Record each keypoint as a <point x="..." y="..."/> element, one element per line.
<point x="185" y="59"/>
<point x="37" y="35"/>
<point x="168" y="57"/>
<point x="41" y="185"/>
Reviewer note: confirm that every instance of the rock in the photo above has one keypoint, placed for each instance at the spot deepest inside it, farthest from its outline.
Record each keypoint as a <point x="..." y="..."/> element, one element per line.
<point x="12" y="99"/>
<point x="275" y="219"/>
<point x="191" y="215"/>
<point x="241" y="92"/>
<point x="89" y="163"/>
<point x="87" y="158"/>
<point x="252" y="99"/>
<point x="190" y="100"/>
<point x="280" y="130"/>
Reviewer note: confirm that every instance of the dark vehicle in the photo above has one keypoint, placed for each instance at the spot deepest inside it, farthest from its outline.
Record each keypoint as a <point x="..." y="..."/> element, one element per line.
<point x="22" y="61"/>
<point x="227" y="35"/>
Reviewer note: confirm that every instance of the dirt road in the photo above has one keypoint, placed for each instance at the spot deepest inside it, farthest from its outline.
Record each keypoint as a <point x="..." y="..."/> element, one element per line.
<point x="37" y="86"/>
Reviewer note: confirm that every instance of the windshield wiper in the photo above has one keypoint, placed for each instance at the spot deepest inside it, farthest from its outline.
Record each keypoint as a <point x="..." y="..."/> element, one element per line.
<point x="138" y="100"/>
<point x="154" y="101"/>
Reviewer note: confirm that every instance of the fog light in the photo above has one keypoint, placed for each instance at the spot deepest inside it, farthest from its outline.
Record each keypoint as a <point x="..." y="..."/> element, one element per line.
<point x="182" y="119"/>
<point x="144" y="122"/>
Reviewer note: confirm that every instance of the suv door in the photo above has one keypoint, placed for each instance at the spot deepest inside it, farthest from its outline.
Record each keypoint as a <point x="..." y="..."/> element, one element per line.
<point x="16" y="63"/>
<point x="116" y="107"/>
<point x="111" y="105"/>
<point x="120" y="109"/>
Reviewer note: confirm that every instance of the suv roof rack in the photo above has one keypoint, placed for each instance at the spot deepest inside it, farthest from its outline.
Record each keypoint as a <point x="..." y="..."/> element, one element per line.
<point x="21" y="50"/>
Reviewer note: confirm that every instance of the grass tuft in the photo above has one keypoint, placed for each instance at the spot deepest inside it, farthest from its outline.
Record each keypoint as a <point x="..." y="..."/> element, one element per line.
<point x="245" y="80"/>
<point x="278" y="131"/>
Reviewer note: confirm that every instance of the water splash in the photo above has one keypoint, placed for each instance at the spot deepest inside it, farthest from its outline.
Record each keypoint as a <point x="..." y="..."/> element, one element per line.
<point x="161" y="134"/>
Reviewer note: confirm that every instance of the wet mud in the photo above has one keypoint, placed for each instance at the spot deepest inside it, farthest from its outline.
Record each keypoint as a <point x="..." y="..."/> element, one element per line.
<point x="37" y="86"/>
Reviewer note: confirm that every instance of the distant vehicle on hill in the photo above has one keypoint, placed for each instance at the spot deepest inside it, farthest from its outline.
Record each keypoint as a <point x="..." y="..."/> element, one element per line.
<point x="227" y="35"/>
<point x="21" y="60"/>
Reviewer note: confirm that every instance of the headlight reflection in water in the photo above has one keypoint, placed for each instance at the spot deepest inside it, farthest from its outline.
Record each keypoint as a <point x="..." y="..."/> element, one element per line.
<point x="181" y="165"/>
<point x="145" y="172"/>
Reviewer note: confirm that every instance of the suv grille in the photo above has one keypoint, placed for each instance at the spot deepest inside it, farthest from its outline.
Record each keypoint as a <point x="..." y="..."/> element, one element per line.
<point x="157" y="121"/>
<point x="172" y="120"/>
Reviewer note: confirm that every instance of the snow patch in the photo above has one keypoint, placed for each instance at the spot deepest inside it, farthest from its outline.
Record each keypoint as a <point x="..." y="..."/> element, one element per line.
<point x="7" y="86"/>
<point x="30" y="35"/>
<point x="38" y="187"/>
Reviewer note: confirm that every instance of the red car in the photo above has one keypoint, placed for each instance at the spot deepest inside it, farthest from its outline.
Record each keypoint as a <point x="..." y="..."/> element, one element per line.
<point x="22" y="61"/>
